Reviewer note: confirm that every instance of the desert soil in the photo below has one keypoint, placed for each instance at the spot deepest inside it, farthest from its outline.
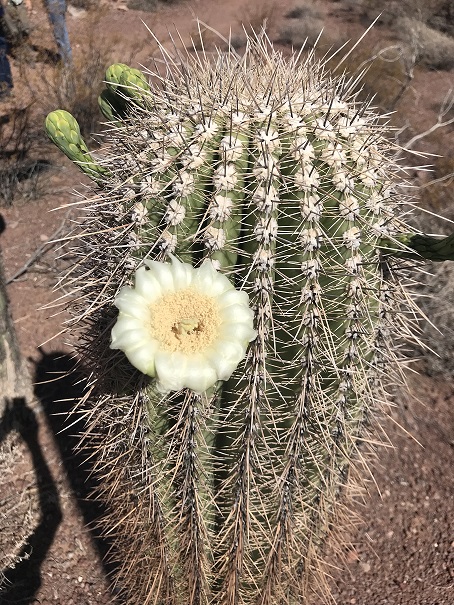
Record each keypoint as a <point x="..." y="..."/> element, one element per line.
<point x="402" y="553"/>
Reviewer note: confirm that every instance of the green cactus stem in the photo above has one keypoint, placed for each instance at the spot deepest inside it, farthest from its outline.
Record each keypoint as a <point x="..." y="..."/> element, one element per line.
<point x="271" y="172"/>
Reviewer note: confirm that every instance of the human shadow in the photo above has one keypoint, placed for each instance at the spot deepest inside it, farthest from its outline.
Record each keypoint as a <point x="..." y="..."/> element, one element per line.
<point x="21" y="583"/>
<point x="60" y="384"/>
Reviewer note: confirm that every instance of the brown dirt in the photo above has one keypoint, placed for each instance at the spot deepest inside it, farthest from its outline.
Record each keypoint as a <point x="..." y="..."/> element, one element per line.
<point x="403" y="554"/>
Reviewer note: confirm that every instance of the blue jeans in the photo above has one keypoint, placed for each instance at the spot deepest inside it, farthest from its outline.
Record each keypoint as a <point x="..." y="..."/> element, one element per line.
<point x="6" y="79"/>
<point x="57" y="10"/>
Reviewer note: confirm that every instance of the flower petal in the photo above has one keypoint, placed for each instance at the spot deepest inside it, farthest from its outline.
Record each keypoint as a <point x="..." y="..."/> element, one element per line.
<point x="146" y="284"/>
<point x="129" y="339"/>
<point x="143" y="357"/>
<point x="200" y="376"/>
<point x="225" y="358"/>
<point x="182" y="367"/>
<point x="131" y="303"/>
<point x="231" y="297"/>
<point x="243" y="332"/>
<point x="208" y="281"/>
<point x="162" y="272"/>
<point x="237" y="314"/>
<point x="170" y="370"/>
<point x="126" y="324"/>
<point x="182" y="273"/>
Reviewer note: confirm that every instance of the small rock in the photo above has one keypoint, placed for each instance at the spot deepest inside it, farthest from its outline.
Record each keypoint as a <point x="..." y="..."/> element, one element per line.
<point x="77" y="13"/>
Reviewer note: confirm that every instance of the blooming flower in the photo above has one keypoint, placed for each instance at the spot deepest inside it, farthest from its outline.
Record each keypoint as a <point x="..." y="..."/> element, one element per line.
<point x="185" y="326"/>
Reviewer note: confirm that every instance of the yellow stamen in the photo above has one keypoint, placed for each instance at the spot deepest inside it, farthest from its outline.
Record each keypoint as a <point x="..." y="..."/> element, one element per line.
<point x="185" y="321"/>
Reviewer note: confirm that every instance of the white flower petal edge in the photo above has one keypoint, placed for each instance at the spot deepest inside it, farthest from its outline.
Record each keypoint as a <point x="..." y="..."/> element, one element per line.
<point x="199" y="355"/>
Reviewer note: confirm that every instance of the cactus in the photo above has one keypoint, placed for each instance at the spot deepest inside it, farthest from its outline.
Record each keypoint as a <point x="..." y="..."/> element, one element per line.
<point x="270" y="174"/>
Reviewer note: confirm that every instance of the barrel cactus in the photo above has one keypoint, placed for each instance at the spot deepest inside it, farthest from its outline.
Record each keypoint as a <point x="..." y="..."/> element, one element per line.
<point x="239" y="300"/>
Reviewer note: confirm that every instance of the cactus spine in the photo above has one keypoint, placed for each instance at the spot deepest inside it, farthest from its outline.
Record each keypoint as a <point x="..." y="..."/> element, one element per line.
<point x="276" y="174"/>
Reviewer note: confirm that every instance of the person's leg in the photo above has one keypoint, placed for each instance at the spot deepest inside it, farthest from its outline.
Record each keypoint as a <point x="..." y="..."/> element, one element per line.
<point x="6" y="78"/>
<point x="57" y="10"/>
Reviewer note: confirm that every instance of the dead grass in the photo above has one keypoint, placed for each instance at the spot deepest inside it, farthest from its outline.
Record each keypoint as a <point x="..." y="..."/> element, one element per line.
<point x="21" y="155"/>
<point x="438" y="194"/>
<point x="384" y="75"/>
<point x="302" y="26"/>
<point x="259" y="14"/>
<point x="143" y="5"/>
<point x="436" y="13"/>
<point x="433" y="49"/>
<point x="19" y="512"/>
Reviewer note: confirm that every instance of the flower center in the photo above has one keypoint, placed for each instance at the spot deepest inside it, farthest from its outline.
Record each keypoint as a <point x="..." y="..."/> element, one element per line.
<point x="185" y="321"/>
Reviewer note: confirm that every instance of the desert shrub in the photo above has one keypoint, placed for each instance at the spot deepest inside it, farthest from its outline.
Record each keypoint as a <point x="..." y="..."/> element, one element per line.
<point x="436" y="13"/>
<point x="76" y="90"/>
<point x="438" y="194"/>
<point x="142" y="5"/>
<point x="436" y="288"/>
<point x="443" y="18"/>
<point x="384" y="73"/>
<point x="299" y="33"/>
<point x="436" y="302"/>
<point x="148" y="5"/>
<point x="302" y="27"/>
<point x="21" y="139"/>
<point x="85" y="4"/>
<point x="304" y="11"/>
<point x="258" y="14"/>
<point x="433" y="48"/>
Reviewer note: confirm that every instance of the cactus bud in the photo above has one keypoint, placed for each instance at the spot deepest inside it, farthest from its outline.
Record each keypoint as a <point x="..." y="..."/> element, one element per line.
<point x="64" y="131"/>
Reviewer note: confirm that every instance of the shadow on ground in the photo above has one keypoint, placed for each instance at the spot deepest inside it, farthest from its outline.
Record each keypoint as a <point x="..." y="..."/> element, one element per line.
<point x="58" y="386"/>
<point x="19" y="584"/>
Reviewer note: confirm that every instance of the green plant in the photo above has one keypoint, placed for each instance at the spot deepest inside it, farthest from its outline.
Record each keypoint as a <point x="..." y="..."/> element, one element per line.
<point x="224" y="484"/>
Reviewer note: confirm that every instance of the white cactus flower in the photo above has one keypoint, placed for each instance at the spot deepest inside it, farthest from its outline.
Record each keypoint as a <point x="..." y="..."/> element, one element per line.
<point x="185" y="326"/>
